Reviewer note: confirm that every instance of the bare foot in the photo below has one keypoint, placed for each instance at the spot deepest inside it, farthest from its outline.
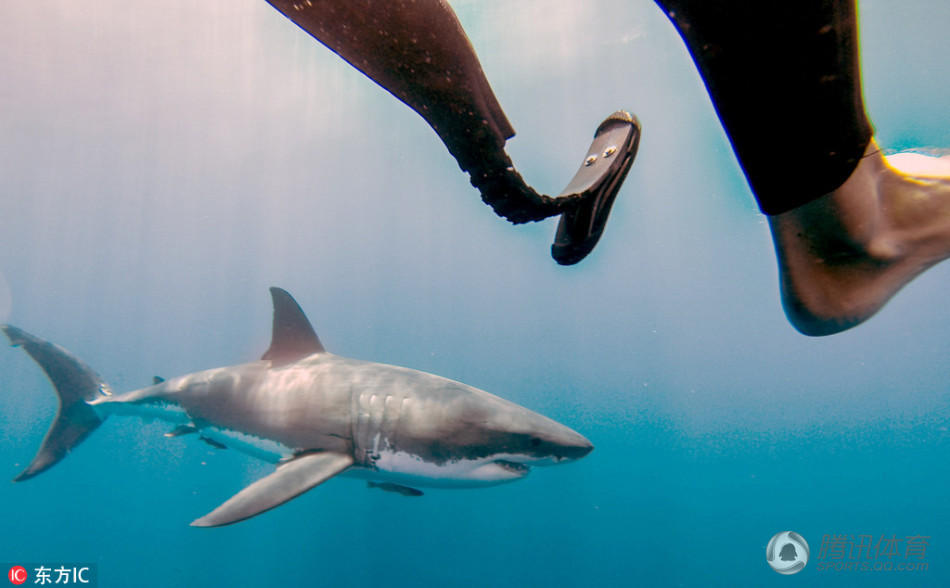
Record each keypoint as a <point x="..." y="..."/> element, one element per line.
<point x="843" y="256"/>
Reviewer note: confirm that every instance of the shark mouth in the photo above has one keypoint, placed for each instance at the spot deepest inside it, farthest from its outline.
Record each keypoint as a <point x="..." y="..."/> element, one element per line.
<point x="410" y="470"/>
<point x="513" y="467"/>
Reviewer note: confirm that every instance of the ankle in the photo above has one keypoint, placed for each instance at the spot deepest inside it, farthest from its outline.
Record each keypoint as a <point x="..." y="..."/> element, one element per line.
<point x="852" y="220"/>
<point x="841" y="257"/>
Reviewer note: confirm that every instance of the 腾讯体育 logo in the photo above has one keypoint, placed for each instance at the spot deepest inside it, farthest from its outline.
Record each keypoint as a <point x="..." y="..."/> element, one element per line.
<point x="787" y="552"/>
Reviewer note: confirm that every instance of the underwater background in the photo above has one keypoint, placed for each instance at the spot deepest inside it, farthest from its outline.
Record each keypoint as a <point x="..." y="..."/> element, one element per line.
<point x="163" y="163"/>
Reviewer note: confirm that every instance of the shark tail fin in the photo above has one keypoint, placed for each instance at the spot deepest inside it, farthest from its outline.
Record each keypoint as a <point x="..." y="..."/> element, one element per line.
<point x="75" y="384"/>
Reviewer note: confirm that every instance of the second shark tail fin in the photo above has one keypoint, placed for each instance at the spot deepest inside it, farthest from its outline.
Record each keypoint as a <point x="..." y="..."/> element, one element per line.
<point x="75" y="384"/>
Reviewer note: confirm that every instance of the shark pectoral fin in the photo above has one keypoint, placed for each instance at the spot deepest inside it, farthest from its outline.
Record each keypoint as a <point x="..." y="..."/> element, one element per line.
<point x="291" y="479"/>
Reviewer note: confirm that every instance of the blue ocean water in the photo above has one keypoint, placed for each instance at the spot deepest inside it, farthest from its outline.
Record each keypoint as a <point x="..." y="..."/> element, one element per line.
<point x="164" y="163"/>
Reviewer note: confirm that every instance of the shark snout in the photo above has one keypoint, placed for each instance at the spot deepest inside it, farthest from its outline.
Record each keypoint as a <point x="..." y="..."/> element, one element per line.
<point x="580" y="449"/>
<point x="560" y="444"/>
<point x="575" y="446"/>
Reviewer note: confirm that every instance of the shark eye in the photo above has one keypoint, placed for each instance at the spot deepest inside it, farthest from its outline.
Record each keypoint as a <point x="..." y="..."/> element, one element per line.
<point x="535" y="442"/>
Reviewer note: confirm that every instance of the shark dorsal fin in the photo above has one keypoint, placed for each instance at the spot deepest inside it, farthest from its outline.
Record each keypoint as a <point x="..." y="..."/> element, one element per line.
<point x="293" y="337"/>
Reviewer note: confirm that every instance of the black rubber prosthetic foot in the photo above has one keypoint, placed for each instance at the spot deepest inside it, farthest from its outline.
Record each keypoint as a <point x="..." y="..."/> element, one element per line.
<point x="598" y="181"/>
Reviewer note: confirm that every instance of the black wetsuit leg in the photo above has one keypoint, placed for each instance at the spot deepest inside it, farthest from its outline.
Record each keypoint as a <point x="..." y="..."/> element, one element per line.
<point x="785" y="80"/>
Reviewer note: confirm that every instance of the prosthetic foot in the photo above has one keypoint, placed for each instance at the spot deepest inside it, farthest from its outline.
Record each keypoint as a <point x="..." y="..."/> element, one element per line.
<point x="597" y="181"/>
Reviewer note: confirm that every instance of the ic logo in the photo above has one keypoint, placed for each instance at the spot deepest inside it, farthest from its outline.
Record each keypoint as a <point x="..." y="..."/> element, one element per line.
<point x="787" y="552"/>
<point x="17" y="575"/>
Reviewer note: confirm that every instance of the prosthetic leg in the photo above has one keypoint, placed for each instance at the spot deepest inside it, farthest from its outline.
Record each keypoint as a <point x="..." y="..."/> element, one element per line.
<point x="418" y="51"/>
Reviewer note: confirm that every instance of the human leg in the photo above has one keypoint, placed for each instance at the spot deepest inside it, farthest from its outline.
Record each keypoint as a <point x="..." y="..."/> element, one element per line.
<point x="784" y="78"/>
<point x="419" y="52"/>
<point x="849" y="229"/>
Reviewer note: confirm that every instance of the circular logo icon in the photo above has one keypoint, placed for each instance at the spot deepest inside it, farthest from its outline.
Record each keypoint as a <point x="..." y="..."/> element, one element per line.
<point x="787" y="552"/>
<point x="17" y="575"/>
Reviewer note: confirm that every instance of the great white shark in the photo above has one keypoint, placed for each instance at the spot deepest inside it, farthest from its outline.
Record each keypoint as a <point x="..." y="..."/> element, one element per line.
<point x="315" y="415"/>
